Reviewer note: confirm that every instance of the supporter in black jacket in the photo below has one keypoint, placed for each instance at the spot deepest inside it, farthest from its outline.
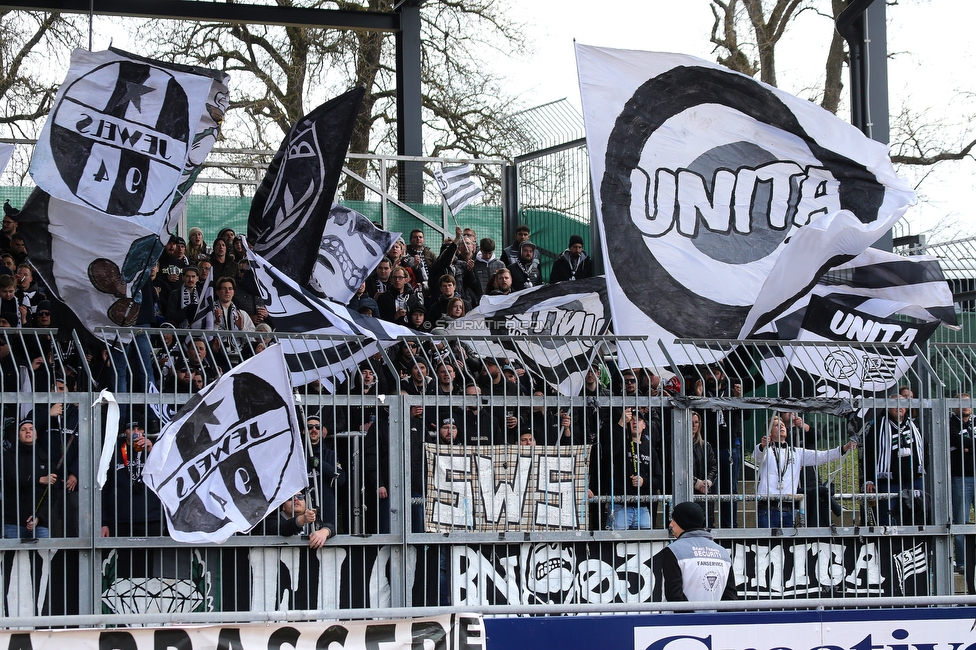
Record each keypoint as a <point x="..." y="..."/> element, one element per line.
<point x="573" y="264"/>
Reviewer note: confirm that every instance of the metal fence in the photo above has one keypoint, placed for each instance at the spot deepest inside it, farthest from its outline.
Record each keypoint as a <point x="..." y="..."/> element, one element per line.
<point x="452" y="478"/>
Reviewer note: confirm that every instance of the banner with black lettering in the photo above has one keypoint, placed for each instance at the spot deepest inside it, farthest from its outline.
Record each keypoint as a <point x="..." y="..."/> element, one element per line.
<point x="446" y="632"/>
<point x="548" y="325"/>
<point x="119" y="135"/>
<point x="708" y="183"/>
<point x="869" y="368"/>
<point x="506" y="488"/>
<point x="232" y="455"/>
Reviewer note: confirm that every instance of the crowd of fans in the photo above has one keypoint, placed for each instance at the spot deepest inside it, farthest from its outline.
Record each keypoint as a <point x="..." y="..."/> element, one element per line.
<point x="469" y="401"/>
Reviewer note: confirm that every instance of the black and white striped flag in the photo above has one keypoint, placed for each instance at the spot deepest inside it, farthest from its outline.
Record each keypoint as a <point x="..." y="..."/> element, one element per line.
<point x="457" y="186"/>
<point x="875" y="283"/>
<point x="911" y="562"/>
<point x="543" y="327"/>
<point x="887" y="353"/>
<point x="203" y="317"/>
<point x="336" y="340"/>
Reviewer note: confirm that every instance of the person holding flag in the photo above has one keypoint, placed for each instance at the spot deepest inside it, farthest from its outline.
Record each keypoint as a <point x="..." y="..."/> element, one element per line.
<point x="779" y="471"/>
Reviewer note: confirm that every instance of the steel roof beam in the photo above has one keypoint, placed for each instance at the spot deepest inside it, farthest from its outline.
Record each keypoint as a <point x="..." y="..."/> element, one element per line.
<point x="221" y="12"/>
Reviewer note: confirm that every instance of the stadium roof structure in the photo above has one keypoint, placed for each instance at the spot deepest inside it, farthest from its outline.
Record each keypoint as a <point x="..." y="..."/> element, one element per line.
<point x="403" y="21"/>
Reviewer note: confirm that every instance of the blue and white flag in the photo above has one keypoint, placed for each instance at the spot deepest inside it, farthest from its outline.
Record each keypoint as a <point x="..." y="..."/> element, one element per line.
<point x="352" y="246"/>
<point x="232" y="455"/>
<point x="458" y="186"/>
<point x="720" y="199"/>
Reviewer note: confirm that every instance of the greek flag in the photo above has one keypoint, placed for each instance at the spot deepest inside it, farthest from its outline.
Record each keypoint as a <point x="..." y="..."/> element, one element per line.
<point x="457" y="186"/>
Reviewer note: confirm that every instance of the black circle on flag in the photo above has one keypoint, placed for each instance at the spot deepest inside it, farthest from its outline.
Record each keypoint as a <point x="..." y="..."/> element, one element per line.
<point x="248" y="460"/>
<point x="119" y="136"/>
<point x="681" y="309"/>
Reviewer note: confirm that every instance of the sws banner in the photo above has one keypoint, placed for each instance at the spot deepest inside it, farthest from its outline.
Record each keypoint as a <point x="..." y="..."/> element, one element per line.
<point x="506" y="488"/>
<point x="721" y="200"/>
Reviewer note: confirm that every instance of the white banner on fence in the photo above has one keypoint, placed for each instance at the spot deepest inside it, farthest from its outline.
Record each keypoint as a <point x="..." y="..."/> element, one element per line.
<point x="453" y="632"/>
<point x="506" y="488"/>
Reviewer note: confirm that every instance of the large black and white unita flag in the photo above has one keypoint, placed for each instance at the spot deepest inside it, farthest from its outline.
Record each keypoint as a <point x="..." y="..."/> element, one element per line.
<point x="232" y="455"/>
<point x="707" y="181"/>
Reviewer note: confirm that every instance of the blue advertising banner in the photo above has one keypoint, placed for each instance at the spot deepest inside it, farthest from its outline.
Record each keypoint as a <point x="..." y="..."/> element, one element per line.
<point x="894" y="629"/>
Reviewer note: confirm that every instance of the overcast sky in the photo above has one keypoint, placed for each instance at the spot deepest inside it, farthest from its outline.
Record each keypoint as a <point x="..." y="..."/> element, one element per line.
<point x="931" y="67"/>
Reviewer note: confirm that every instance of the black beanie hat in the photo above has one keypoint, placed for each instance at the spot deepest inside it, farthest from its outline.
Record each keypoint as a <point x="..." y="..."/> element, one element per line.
<point x="688" y="515"/>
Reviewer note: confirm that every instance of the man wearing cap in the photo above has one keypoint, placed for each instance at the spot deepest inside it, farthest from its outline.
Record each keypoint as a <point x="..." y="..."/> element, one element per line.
<point x="325" y="476"/>
<point x="173" y="261"/>
<point x="10" y="214"/>
<point x="511" y="253"/>
<point x="525" y="269"/>
<point x="693" y="566"/>
<point x="573" y="264"/>
<point x="493" y="381"/>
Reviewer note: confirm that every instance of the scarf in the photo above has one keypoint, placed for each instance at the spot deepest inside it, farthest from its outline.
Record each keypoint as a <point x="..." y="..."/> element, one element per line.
<point x="189" y="297"/>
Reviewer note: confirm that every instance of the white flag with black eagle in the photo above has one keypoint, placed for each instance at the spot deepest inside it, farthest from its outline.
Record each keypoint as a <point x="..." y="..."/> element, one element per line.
<point x="232" y="455"/>
<point x="336" y="339"/>
<point x="457" y="185"/>
<point x="546" y="327"/>
<point x="706" y="182"/>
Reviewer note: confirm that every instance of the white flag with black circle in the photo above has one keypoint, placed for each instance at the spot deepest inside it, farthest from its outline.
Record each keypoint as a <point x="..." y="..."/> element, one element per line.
<point x="457" y="185"/>
<point x="119" y="133"/>
<point x="704" y="181"/>
<point x="232" y="455"/>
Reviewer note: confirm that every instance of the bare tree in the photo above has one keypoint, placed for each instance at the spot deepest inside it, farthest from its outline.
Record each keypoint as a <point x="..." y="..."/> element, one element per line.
<point x="746" y="32"/>
<point x="278" y="73"/>
<point x="28" y="42"/>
